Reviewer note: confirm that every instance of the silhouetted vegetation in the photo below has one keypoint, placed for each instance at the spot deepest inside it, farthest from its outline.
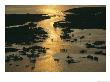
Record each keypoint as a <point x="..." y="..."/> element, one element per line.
<point x="27" y="44"/>
<point x="13" y="57"/>
<point x="11" y="49"/>
<point x="84" y="18"/>
<point x="100" y="53"/>
<point x="30" y="52"/>
<point x="19" y="19"/>
<point x="26" y="33"/>
<point x="92" y="45"/>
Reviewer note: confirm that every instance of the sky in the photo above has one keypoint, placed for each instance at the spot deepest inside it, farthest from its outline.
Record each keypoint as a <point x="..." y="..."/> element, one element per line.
<point x="33" y="9"/>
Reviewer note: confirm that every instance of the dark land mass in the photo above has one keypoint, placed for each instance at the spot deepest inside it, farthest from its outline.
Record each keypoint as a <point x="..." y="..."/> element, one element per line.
<point x="29" y="52"/>
<point x="84" y="18"/>
<point x="11" y="49"/>
<point x="19" y="19"/>
<point x="26" y="33"/>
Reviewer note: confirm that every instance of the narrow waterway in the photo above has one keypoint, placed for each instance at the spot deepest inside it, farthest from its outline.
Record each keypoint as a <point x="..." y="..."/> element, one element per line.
<point x="53" y="43"/>
<point x="57" y="49"/>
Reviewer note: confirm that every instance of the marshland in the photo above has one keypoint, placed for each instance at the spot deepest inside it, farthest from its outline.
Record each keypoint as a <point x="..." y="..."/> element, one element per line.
<point x="55" y="38"/>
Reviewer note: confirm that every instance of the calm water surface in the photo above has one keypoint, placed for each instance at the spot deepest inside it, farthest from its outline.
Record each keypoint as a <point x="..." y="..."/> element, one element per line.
<point x="54" y="44"/>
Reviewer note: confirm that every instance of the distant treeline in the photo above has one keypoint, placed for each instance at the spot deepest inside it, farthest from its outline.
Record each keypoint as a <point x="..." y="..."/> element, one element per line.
<point x="19" y="19"/>
<point x="85" y="17"/>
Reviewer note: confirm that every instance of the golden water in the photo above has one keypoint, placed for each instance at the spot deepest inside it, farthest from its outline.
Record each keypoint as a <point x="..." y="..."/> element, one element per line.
<point x="53" y="42"/>
<point x="46" y="63"/>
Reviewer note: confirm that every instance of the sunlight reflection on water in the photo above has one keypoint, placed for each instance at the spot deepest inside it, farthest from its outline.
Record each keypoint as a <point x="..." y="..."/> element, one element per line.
<point x="53" y="42"/>
<point x="59" y="49"/>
